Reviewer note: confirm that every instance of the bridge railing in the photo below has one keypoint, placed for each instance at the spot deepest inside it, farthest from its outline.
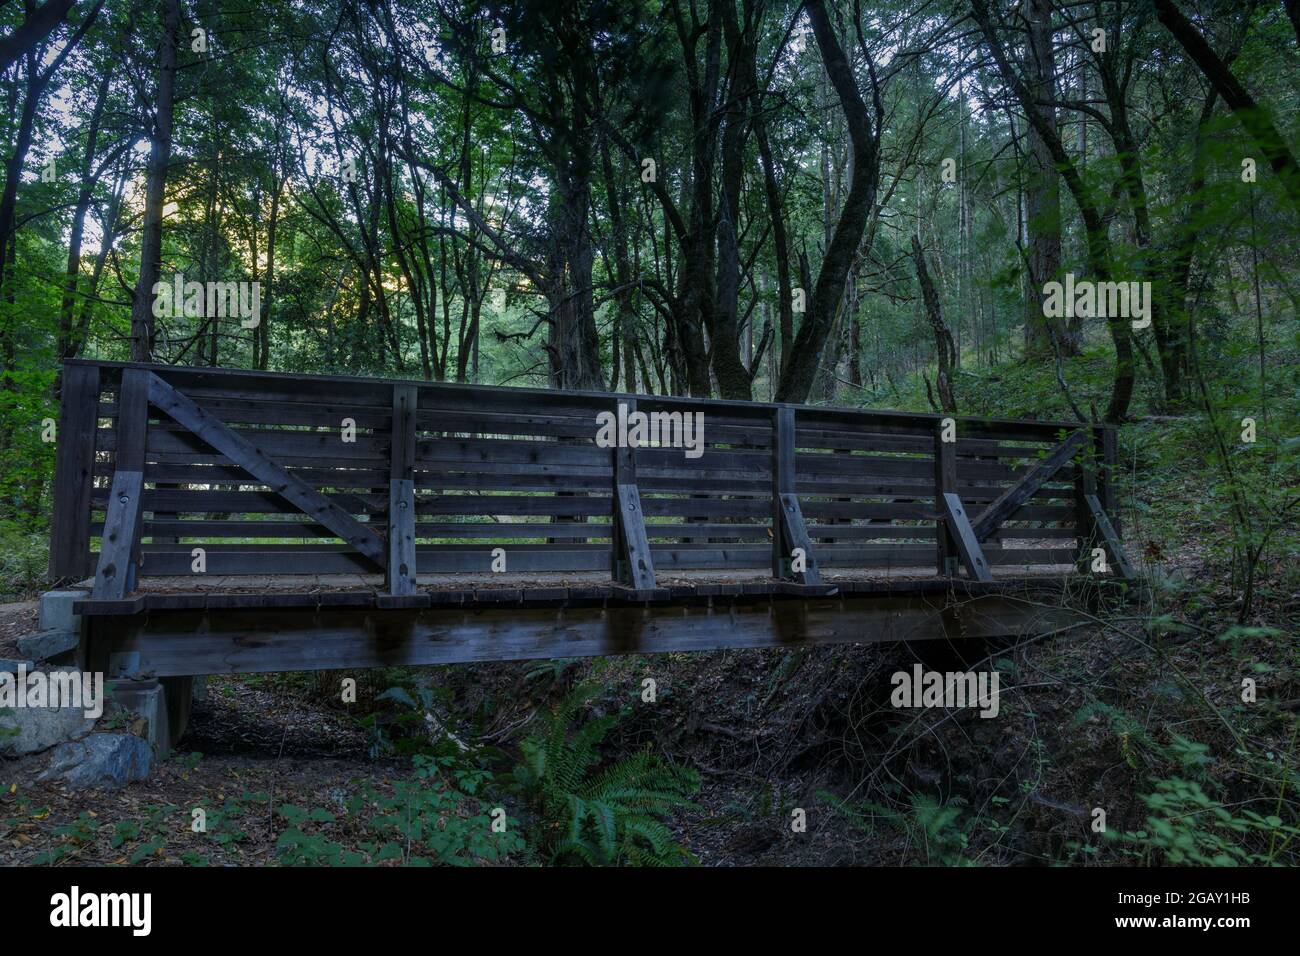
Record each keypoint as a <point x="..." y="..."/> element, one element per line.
<point x="165" y="470"/>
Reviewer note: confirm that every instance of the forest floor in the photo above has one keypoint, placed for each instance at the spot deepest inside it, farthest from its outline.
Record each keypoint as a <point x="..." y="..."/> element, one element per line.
<point x="1092" y="718"/>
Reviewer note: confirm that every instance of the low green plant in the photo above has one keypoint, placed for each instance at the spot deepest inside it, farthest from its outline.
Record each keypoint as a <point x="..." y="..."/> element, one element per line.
<point x="24" y="556"/>
<point x="1188" y="827"/>
<point x="440" y="815"/>
<point x="597" y="815"/>
<point x="936" y="829"/>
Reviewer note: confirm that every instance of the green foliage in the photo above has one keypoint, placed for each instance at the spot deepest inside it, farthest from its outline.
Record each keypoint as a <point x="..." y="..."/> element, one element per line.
<point x="934" y="830"/>
<point x="24" y="555"/>
<point x="437" y="816"/>
<point x="599" y="815"/>
<point x="1188" y="827"/>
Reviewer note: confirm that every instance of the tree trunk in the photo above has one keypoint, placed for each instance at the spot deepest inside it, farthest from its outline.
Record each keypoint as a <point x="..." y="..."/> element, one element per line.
<point x="945" y="351"/>
<point x="1043" y="195"/>
<point x="160" y="149"/>
<point x="780" y="244"/>
<point x="797" y="377"/>
<point x="1255" y="119"/>
<point x="36" y="83"/>
<point x="67" y="346"/>
<point x="36" y="26"/>
<point x="1098" y="241"/>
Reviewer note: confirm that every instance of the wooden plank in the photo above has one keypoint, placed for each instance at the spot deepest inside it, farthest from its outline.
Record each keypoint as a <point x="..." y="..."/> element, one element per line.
<point x="1085" y="484"/>
<point x="631" y="562"/>
<point x="400" y="574"/>
<point x="289" y="446"/>
<point x="795" y="535"/>
<point x="120" y="544"/>
<point x="1014" y="497"/>
<point x="1108" y="455"/>
<point x="549" y="478"/>
<point x="945" y="482"/>
<point x="402" y="456"/>
<point x="310" y="410"/>
<point x="595" y="505"/>
<point x="115" y="574"/>
<point x="964" y="539"/>
<point x="783" y="482"/>
<point x="311" y="502"/>
<point x="634" y="550"/>
<point x="829" y="464"/>
<point x="242" y="502"/>
<point x="74" y="473"/>
<point x="292" y="386"/>
<point x="190" y="642"/>
<point x="623" y="469"/>
<point x="788" y="529"/>
<point x="1110" y="539"/>
<point x="480" y="451"/>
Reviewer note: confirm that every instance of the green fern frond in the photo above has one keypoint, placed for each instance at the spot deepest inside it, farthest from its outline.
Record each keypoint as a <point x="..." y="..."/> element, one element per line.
<point x="594" y="815"/>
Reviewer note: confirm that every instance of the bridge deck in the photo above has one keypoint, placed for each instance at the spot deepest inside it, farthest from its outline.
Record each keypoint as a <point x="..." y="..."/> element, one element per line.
<point x="174" y="592"/>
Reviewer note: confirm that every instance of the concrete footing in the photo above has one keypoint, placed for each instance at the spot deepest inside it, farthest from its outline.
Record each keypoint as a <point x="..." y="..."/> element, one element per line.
<point x="59" y="639"/>
<point x="164" y="703"/>
<point x="56" y="610"/>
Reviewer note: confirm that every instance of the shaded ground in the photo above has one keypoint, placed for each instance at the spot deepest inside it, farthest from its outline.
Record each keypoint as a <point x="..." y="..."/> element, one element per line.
<point x="1093" y="718"/>
<point x="249" y="749"/>
<point x="15" y="621"/>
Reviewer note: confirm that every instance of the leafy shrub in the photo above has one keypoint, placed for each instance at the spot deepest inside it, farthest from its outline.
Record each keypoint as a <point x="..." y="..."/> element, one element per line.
<point x="935" y="829"/>
<point x="24" y="557"/>
<point x="1188" y="827"/>
<point x="435" y="817"/>
<point x="593" y="815"/>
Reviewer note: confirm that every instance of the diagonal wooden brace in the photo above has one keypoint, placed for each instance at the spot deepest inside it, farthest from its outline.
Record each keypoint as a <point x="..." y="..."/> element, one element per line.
<point x="248" y="456"/>
<point x="632" y="545"/>
<point x="1109" y="539"/>
<point x="794" y="534"/>
<point x="1011" y="500"/>
<point x="963" y="536"/>
<point x="119" y="548"/>
<point x="115" y="575"/>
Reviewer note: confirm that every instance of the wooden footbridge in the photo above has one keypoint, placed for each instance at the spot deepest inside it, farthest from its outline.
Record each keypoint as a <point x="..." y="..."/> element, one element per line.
<point x="231" y="521"/>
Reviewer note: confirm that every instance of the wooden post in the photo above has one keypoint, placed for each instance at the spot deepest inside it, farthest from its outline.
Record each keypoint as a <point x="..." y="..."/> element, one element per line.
<point x="120" y="545"/>
<point x="74" y="473"/>
<point x="400" y="576"/>
<point x="945" y="482"/>
<point x="788" y="529"/>
<point x="1085" y="484"/>
<point x="782" y="481"/>
<point x="955" y="540"/>
<point x="1108" y="455"/>
<point x="630" y="559"/>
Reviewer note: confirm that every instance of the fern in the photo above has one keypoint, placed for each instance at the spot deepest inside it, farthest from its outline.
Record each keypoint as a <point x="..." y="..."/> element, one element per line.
<point x="594" y="815"/>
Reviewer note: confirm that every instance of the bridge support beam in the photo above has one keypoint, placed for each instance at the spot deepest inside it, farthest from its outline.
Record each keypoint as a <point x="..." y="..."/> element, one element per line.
<point x="178" y="643"/>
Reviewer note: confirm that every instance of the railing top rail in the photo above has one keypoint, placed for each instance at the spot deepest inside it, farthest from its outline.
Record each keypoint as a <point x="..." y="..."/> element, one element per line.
<point x="1032" y="428"/>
